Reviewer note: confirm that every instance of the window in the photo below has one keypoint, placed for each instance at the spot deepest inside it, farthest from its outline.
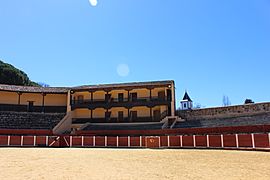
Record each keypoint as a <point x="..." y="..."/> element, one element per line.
<point x="161" y="95"/>
<point x="108" y="97"/>
<point x="134" y="96"/>
<point x="133" y="115"/>
<point x="80" y="98"/>
<point x="120" y="97"/>
<point x="30" y="106"/>
<point x="120" y="116"/>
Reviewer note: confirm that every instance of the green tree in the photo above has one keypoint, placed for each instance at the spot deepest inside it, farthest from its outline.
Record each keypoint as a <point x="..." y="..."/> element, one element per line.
<point x="13" y="76"/>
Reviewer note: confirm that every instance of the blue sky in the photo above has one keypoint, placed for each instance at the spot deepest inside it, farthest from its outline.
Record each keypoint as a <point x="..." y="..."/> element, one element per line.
<point x="210" y="48"/>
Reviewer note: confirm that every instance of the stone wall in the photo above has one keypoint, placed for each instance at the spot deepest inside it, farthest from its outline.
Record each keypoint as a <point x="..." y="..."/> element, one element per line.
<point x="224" y="112"/>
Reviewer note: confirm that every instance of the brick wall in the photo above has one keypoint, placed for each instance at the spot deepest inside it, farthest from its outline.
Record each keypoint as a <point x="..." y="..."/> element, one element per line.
<point x="224" y="112"/>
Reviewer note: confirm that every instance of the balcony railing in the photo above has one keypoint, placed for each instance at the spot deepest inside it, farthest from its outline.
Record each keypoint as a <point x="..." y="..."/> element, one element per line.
<point x="116" y="102"/>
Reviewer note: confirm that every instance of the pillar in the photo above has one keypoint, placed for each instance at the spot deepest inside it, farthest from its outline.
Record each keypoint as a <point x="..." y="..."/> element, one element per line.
<point x="43" y="102"/>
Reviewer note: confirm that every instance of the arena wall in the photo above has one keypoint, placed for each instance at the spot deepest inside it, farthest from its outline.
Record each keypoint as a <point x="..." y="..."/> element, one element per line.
<point x="259" y="141"/>
<point x="224" y="112"/>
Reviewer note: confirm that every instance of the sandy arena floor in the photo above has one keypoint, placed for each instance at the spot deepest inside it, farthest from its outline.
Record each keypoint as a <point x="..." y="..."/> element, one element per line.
<point x="132" y="164"/>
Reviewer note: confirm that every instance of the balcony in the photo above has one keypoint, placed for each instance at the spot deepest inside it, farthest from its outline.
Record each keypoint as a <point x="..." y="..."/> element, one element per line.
<point x="115" y="102"/>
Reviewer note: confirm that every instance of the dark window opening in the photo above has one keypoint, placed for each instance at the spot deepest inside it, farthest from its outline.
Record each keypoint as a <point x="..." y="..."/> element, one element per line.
<point x="134" y="96"/>
<point x="120" y="97"/>
<point x="120" y="116"/>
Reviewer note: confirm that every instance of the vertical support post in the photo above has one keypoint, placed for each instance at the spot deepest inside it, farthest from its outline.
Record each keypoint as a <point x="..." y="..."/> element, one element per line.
<point x="150" y="94"/>
<point x="269" y="139"/>
<point x="92" y="96"/>
<point x="173" y="100"/>
<point x="47" y="140"/>
<point x="207" y="141"/>
<point x="70" y="141"/>
<point x="106" y="141"/>
<point x="194" y="141"/>
<point x="19" y="98"/>
<point x="21" y="140"/>
<point x="35" y="140"/>
<point x="168" y="141"/>
<point x="128" y="141"/>
<point x="159" y="144"/>
<point x="82" y="141"/>
<point x="91" y="113"/>
<point x="140" y="141"/>
<point x="128" y="96"/>
<point x="253" y="141"/>
<point x="222" y="140"/>
<point x="151" y="114"/>
<point x="128" y="114"/>
<point x="43" y="102"/>
<point x="117" y="141"/>
<point x="8" y="141"/>
<point x="94" y="141"/>
<point x="181" y="141"/>
<point x="237" y="142"/>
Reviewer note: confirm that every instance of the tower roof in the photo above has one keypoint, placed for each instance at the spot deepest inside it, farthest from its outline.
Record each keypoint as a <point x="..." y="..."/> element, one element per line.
<point x="186" y="97"/>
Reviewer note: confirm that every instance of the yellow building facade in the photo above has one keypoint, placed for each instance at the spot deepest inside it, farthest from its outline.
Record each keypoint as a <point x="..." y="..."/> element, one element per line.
<point x="109" y="103"/>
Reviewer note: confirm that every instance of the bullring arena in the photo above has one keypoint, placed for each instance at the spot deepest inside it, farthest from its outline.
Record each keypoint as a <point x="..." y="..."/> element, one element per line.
<point x="77" y="163"/>
<point x="128" y="131"/>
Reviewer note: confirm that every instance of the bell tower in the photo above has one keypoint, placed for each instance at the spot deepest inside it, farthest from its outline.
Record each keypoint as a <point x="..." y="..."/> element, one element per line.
<point x="186" y="103"/>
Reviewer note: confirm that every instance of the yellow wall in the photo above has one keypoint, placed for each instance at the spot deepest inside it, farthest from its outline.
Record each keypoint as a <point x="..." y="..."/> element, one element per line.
<point x="142" y="111"/>
<point x="163" y="109"/>
<point x="114" y="112"/>
<point x="37" y="98"/>
<point x="157" y="90"/>
<point x="99" y="113"/>
<point x="55" y="100"/>
<point x="50" y="99"/>
<point x="114" y="93"/>
<point x="86" y="95"/>
<point x="141" y="93"/>
<point x="99" y="95"/>
<point x="8" y="97"/>
<point x="81" y="113"/>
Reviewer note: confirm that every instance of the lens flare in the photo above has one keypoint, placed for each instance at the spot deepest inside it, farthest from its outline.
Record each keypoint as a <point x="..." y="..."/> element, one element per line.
<point x="93" y="2"/>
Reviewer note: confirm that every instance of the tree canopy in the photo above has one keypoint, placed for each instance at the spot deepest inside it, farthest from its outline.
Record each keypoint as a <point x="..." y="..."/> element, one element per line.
<point x="13" y="76"/>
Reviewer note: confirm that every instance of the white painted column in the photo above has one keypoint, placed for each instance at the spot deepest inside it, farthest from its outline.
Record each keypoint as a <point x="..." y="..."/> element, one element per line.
<point x="117" y="141"/>
<point x="8" y="141"/>
<point x="194" y="141"/>
<point x="47" y="140"/>
<point x="237" y="142"/>
<point x="207" y="141"/>
<point x="35" y="140"/>
<point x="82" y="141"/>
<point x="168" y="141"/>
<point x="181" y="141"/>
<point x="222" y="140"/>
<point x="70" y="141"/>
<point x="173" y="100"/>
<point x="106" y="141"/>
<point x="94" y="141"/>
<point x="140" y="141"/>
<point x="253" y="141"/>
<point x="21" y="140"/>
<point x="128" y="141"/>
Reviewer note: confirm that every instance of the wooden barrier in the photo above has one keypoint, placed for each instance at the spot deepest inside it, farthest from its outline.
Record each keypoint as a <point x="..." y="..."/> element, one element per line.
<point x="235" y="141"/>
<point x="153" y="142"/>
